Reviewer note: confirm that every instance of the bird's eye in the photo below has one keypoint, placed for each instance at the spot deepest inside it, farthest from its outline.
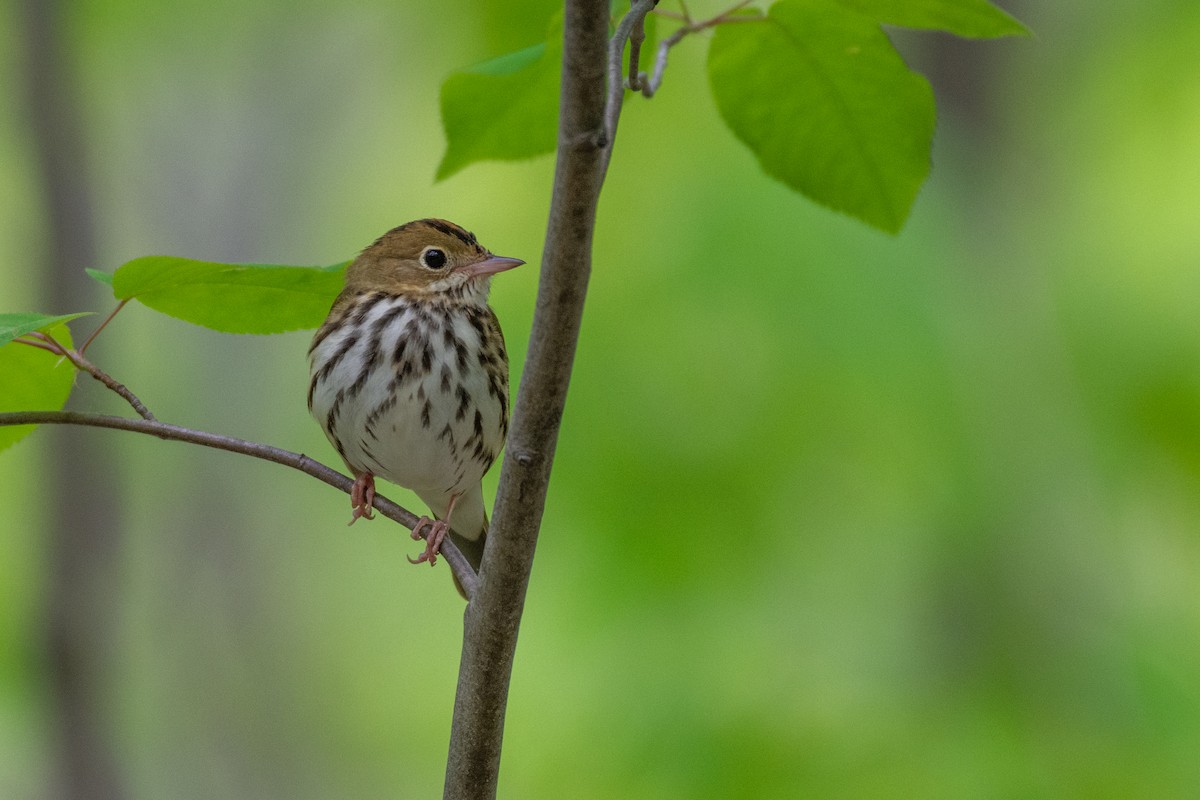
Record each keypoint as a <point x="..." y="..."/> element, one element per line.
<point x="433" y="258"/>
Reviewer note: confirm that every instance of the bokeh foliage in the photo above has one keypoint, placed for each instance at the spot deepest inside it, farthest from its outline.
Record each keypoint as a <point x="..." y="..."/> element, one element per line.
<point x="833" y="514"/>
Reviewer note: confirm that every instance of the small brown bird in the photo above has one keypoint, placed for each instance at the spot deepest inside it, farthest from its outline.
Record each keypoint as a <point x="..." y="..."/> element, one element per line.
<point x="409" y="377"/>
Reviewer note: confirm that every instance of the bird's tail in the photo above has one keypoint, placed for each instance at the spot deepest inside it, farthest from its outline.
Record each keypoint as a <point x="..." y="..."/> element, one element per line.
<point x="472" y="549"/>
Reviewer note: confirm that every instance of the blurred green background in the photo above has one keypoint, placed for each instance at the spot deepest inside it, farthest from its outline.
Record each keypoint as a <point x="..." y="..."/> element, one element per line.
<point x="834" y="514"/>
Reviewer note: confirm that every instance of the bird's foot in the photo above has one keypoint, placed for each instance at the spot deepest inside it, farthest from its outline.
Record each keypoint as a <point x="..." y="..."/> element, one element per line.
<point x="362" y="497"/>
<point x="433" y="539"/>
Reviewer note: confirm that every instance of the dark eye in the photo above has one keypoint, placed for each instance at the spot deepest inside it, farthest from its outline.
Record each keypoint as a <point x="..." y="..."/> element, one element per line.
<point x="433" y="258"/>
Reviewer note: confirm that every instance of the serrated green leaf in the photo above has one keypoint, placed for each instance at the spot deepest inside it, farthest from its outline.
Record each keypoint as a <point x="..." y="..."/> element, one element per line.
<point x="100" y="276"/>
<point x="14" y="325"/>
<point x="231" y="298"/>
<point x="973" y="19"/>
<point x="32" y="379"/>
<point x="828" y="106"/>
<point x="505" y="109"/>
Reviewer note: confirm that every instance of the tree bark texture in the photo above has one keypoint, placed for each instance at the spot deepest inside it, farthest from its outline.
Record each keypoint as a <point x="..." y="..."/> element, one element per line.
<point x="493" y="616"/>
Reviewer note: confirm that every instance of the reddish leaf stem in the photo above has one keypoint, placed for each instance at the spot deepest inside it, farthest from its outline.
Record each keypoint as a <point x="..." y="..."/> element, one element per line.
<point x="102" y="325"/>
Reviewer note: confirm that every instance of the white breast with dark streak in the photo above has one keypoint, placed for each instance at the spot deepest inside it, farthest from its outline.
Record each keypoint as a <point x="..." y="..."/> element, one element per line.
<point x="406" y="394"/>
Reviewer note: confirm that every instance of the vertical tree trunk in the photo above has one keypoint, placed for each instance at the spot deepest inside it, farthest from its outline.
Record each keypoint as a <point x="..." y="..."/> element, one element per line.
<point x="494" y="614"/>
<point x="83" y="528"/>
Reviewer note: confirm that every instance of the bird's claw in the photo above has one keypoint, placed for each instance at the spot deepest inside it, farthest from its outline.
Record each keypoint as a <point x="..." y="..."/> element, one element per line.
<point x="362" y="497"/>
<point x="433" y="539"/>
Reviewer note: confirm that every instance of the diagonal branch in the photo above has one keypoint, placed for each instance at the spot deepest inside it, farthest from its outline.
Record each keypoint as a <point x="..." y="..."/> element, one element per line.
<point x="299" y="461"/>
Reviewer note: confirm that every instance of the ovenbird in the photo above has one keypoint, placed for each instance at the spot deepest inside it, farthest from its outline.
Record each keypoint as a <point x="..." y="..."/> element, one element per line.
<point x="409" y="377"/>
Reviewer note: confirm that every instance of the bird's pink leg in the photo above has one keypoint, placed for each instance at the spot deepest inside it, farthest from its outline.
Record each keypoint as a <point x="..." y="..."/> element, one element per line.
<point x="362" y="497"/>
<point x="438" y="529"/>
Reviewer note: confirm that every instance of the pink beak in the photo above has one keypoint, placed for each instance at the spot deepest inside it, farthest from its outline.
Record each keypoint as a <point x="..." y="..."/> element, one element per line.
<point x="489" y="266"/>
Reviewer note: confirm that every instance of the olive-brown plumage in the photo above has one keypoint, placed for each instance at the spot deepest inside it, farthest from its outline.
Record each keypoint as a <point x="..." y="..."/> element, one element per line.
<point x="409" y="376"/>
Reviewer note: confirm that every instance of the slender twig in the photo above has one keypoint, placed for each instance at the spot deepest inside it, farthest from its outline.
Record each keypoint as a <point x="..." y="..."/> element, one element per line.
<point x="299" y="461"/>
<point x="632" y="29"/>
<point x="649" y="84"/>
<point x="636" y="37"/>
<point x="34" y="343"/>
<point x="48" y="342"/>
<point x="103" y="324"/>
<point x="616" y="78"/>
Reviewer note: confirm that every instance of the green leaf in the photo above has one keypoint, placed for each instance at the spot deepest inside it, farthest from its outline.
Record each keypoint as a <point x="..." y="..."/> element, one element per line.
<point x="14" y="325"/>
<point x="505" y="109"/>
<point x="232" y="298"/>
<point x="974" y="19"/>
<point x="32" y="379"/>
<point x="509" y="63"/>
<point x="828" y="106"/>
<point x="100" y="276"/>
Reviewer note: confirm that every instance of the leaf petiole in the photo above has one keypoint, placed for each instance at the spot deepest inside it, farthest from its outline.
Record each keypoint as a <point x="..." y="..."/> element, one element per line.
<point x="107" y="320"/>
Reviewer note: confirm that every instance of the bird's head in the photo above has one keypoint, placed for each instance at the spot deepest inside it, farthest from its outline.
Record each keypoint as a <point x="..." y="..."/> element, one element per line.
<point x="428" y="257"/>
